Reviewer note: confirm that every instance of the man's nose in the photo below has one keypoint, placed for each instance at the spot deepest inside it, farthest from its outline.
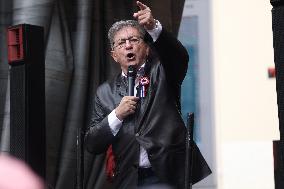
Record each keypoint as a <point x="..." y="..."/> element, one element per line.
<point x="128" y="44"/>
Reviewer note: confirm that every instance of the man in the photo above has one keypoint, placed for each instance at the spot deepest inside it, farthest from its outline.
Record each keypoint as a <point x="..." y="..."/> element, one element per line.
<point x="147" y="133"/>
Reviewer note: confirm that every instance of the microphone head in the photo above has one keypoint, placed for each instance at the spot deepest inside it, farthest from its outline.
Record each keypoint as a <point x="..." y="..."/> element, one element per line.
<point x="131" y="72"/>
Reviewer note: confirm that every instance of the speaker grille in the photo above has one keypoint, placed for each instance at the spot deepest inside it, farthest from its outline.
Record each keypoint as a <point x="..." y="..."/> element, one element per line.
<point x="18" y="136"/>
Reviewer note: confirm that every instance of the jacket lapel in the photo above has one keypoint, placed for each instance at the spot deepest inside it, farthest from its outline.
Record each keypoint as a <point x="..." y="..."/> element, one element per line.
<point x="121" y="88"/>
<point x="144" y="102"/>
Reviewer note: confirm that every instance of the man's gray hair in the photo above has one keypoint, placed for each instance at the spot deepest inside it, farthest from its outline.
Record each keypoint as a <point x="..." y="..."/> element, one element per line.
<point x="122" y="24"/>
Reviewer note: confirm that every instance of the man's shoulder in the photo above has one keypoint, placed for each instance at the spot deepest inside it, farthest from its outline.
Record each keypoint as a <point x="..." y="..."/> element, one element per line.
<point x="107" y="85"/>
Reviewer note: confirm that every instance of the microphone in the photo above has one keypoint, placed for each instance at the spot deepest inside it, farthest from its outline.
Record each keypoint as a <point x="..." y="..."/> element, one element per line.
<point x="131" y="74"/>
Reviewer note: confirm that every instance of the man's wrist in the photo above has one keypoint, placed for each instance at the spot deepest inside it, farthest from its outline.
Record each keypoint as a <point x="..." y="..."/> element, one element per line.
<point x="156" y="31"/>
<point x="114" y="122"/>
<point x="156" y="23"/>
<point x="117" y="115"/>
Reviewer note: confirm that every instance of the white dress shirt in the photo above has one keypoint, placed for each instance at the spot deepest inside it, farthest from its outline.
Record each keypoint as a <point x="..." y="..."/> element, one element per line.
<point x="115" y="123"/>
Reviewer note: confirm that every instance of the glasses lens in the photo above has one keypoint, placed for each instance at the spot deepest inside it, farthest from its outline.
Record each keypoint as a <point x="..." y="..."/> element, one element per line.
<point x="134" y="40"/>
<point x="121" y="43"/>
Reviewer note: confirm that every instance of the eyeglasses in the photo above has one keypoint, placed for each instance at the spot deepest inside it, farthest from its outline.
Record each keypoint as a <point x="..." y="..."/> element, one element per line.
<point x="121" y="43"/>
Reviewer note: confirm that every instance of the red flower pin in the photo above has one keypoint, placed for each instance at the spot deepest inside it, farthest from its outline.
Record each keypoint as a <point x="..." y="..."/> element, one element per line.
<point x="144" y="84"/>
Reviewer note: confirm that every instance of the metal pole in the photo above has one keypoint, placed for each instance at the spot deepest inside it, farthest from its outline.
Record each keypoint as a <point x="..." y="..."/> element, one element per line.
<point x="189" y="151"/>
<point x="79" y="149"/>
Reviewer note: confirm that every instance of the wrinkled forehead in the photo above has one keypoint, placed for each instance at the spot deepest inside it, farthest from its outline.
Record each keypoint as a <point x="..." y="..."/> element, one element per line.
<point x="126" y="32"/>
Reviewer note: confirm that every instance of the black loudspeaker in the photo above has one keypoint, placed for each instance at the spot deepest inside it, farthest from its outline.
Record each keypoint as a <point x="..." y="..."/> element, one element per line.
<point x="278" y="45"/>
<point x="278" y="163"/>
<point x="27" y="95"/>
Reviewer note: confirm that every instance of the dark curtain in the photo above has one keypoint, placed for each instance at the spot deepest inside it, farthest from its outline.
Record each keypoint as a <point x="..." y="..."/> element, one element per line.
<point x="76" y="61"/>
<point x="5" y="20"/>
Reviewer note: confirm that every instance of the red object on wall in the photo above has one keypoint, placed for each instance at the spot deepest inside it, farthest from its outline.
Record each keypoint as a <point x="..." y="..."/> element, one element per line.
<point x="15" y="44"/>
<point x="271" y="72"/>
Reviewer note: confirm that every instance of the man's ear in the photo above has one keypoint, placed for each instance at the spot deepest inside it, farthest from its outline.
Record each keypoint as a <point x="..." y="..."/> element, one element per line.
<point x="113" y="55"/>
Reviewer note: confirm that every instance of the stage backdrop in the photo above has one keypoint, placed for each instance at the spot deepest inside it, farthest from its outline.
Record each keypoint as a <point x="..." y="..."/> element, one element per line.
<point x="76" y="61"/>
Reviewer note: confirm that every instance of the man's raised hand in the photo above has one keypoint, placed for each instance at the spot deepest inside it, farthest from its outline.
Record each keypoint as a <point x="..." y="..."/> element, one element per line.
<point x="144" y="16"/>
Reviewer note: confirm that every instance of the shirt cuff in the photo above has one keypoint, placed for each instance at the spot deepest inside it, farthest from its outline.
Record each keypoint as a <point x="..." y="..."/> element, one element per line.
<point x="155" y="33"/>
<point x="114" y="123"/>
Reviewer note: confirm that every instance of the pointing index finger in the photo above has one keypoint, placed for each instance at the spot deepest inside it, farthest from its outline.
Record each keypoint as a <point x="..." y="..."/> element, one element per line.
<point x="141" y="5"/>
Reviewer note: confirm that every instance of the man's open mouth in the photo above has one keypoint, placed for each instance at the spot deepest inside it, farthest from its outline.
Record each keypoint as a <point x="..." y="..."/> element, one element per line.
<point x="130" y="56"/>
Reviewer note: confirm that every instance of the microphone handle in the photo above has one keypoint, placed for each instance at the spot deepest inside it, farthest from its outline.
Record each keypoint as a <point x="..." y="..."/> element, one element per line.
<point x="131" y="84"/>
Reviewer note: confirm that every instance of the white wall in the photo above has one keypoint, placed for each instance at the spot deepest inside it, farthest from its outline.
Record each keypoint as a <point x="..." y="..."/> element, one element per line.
<point x="245" y="104"/>
<point x="237" y="99"/>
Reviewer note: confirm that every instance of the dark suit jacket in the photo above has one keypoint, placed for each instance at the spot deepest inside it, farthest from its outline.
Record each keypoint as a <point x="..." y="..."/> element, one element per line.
<point x="157" y="124"/>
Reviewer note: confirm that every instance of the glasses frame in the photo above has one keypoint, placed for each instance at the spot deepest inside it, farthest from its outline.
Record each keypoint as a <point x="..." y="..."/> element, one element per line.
<point x="121" y="43"/>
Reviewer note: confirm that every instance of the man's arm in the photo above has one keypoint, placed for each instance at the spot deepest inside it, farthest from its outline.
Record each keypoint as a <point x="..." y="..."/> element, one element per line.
<point x="99" y="135"/>
<point x="105" y="123"/>
<point x="172" y="54"/>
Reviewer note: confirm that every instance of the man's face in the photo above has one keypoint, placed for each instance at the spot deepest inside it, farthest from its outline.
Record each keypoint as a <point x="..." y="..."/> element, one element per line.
<point x="129" y="48"/>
